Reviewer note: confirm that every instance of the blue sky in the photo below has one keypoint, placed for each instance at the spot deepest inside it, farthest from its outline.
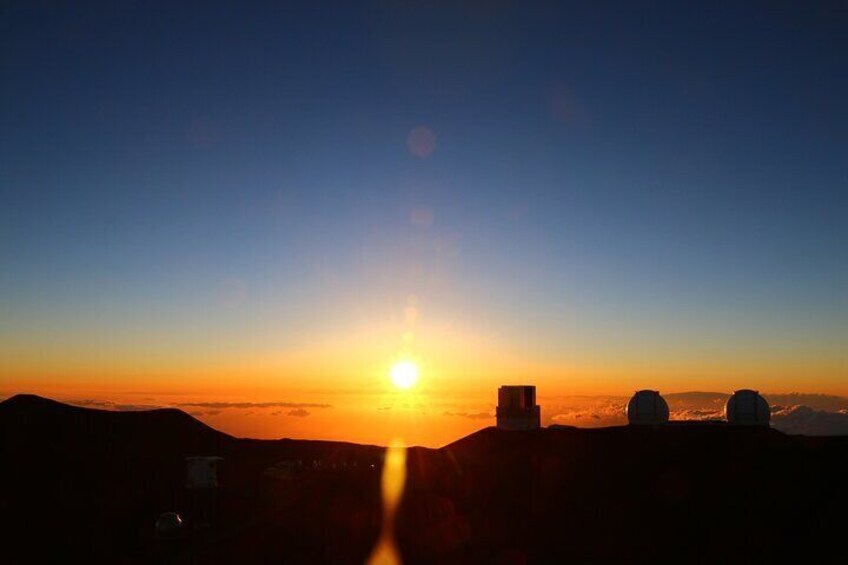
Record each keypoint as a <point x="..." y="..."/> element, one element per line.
<point x="620" y="178"/>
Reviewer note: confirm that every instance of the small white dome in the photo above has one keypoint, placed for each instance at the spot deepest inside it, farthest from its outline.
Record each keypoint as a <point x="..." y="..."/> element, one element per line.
<point x="169" y="525"/>
<point x="747" y="408"/>
<point x="647" y="407"/>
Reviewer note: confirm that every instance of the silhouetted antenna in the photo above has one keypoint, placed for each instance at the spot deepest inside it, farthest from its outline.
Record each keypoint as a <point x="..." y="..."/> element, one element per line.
<point x="747" y="408"/>
<point x="647" y="408"/>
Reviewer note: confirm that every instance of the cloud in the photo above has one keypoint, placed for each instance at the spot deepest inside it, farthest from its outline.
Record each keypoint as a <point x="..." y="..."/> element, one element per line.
<point x="697" y="414"/>
<point x="246" y="405"/>
<point x="794" y="413"/>
<point x="205" y="408"/>
<point x="588" y="415"/>
<point x="470" y="415"/>
<point x="682" y="401"/>
<point x="114" y="406"/>
<point x="204" y="412"/>
<point x="702" y="400"/>
<point x="794" y="418"/>
<point x="827" y="402"/>
<point x="805" y="420"/>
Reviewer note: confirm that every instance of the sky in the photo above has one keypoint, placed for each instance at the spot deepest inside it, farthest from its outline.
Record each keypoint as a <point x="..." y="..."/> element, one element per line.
<point x="275" y="202"/>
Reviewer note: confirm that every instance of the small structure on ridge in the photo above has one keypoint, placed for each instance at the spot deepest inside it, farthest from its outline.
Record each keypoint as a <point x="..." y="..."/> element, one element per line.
<point x="647" y="408"/>
<point x="747" y="408"/>
<point x="517" y="408"/>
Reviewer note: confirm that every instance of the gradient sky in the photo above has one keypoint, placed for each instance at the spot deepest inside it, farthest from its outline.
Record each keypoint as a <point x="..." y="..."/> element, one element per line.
<point x="271" y="200"/>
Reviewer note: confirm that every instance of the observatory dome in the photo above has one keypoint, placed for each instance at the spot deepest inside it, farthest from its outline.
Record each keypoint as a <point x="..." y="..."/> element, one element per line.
<point x="747" y="408"/>
<point x="647" y="407"/>
<point x="169" y="525"/>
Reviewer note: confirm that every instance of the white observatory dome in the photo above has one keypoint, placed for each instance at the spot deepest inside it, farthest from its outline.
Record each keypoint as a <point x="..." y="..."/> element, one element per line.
<point x="647" y="407"/>
<point x="747" y="408"/>
<point x="169" y="525"/>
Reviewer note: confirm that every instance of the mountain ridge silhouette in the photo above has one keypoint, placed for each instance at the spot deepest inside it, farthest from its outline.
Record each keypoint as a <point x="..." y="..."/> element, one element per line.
<point x="90" y="484"/>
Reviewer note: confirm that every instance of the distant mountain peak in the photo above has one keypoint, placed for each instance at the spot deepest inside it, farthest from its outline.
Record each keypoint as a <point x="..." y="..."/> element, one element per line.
<point x="31" y="400"/>
<point x="37" y="421"/>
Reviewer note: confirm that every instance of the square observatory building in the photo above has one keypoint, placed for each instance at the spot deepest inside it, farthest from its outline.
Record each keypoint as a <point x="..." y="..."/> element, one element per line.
<point x="517" y="408"/>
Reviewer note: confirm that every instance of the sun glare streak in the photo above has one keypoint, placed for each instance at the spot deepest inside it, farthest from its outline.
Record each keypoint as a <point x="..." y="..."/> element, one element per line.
<point x="393" y="482"/>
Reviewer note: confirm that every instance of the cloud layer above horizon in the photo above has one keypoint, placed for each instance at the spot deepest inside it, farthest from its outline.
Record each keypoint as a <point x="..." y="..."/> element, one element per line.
<point x="795" y="413"/>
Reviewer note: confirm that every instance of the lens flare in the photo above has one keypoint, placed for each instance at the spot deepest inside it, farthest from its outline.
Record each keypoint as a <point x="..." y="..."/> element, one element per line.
<point x="394" y="478"/>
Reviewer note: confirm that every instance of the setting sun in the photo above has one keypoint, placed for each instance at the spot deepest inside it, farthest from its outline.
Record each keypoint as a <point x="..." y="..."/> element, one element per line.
<point x="404" y="374"/>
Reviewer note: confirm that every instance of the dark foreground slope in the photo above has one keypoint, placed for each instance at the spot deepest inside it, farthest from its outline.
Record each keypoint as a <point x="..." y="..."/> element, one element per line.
<point x="678" y="493"/>
<point x="89" y="484"/>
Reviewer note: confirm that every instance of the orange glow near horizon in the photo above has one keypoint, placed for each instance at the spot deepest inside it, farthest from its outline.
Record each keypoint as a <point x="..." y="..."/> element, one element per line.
<point x="372" y="384"/>
<point x="466" y="353"/>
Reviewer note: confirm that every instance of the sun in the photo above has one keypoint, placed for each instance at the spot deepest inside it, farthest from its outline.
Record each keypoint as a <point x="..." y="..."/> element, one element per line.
<point x="404" y="374"/>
